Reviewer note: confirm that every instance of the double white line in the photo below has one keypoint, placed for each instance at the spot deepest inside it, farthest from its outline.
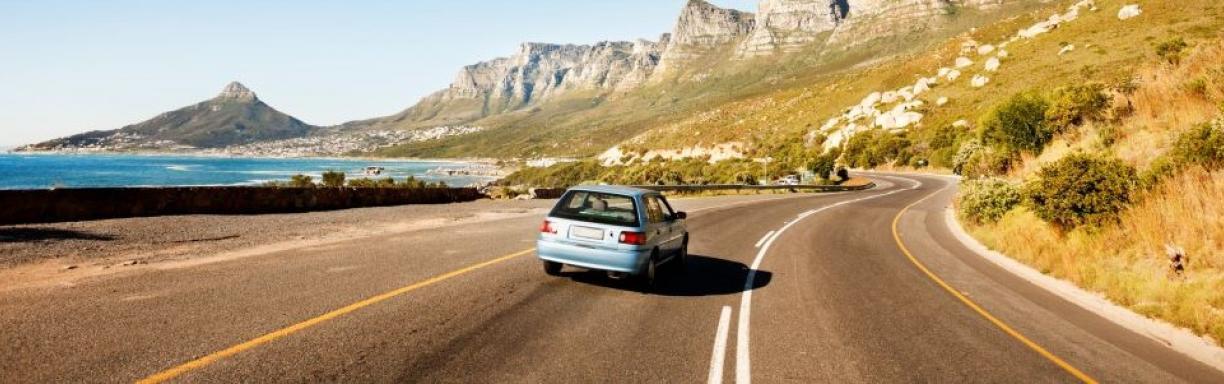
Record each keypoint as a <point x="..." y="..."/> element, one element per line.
<point x="743" y="365"/>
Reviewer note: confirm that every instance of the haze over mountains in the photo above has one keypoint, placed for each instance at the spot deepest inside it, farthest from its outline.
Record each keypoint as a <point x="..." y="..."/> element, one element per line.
<point x="549" y="99"/>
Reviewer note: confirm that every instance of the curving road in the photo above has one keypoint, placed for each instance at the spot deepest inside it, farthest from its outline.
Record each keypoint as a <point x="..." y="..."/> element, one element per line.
<point x="855" y="287"/>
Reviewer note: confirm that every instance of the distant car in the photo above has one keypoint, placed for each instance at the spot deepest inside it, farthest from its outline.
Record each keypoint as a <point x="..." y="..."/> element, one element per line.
<point x="789" y="180"/>
<point x="627" y="232"/>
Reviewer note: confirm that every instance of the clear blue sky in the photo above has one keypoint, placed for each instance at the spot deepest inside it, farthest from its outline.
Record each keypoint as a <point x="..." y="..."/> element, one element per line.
<point x="72" y="66"/>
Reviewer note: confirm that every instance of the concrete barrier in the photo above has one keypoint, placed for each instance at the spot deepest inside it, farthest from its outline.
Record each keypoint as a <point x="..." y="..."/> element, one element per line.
<point x="60" y="205"/>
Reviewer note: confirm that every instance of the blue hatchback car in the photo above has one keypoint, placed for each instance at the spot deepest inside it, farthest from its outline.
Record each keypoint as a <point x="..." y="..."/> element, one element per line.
<point x="624" y="231"/>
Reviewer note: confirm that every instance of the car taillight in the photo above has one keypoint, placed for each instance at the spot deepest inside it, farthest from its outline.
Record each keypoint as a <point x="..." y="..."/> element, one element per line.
<point x="547" y="227"/>
<point x="633" y="238"/>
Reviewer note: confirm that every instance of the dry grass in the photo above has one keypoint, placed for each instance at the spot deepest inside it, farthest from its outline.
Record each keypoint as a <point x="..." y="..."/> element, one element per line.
<point x="1165" y="105"/>
<point x="1127" y="262"/>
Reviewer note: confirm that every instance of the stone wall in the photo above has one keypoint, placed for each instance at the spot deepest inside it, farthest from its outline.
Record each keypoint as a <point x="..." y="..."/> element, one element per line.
<point x="47" y="206"/>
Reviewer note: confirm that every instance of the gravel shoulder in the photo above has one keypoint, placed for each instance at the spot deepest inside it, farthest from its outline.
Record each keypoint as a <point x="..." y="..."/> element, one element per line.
<point x="151" y="239"/>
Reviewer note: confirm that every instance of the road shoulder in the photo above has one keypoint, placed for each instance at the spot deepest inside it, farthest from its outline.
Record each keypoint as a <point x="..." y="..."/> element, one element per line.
<point x="1179" y="339"/>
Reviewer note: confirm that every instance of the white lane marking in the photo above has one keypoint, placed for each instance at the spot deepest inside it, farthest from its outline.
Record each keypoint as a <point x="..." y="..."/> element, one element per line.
<point x="762" y="241"/>
<point x="743" y="367"/>
<point x="720" y="346"/>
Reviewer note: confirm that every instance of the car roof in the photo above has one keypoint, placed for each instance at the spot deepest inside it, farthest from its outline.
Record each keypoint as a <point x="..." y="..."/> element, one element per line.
<point x="615" y="190"/>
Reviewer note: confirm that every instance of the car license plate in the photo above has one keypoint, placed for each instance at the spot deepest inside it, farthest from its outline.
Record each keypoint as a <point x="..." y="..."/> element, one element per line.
<point x="586" y="233"/>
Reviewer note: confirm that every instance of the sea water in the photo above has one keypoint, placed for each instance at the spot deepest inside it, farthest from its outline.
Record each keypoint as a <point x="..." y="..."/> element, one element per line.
<point x="42" y="171"/>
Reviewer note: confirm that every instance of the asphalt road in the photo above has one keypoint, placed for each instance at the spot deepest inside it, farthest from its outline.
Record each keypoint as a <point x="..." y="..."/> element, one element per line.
<point x="833" y="298"/>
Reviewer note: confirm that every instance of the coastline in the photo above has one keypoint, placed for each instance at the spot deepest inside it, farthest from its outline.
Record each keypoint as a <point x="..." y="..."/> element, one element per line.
<point x="470" y="160"/>
<point x="218" y="169"/>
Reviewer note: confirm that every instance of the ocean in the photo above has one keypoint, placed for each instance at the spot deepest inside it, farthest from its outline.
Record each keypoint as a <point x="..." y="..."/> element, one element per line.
<point x="42" y="171"/>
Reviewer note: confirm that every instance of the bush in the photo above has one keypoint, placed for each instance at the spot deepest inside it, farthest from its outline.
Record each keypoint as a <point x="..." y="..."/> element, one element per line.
<point x="843" y="174"/>
<point x="1018" y="124"/>
<point x="1071" y="106"/>
<point x="1172" y="50"/>
<point x="987" y="200"/>
<point x="976" y="161"/>
<point x="877" y="147"/>
<point x="333" y="179"/>
<point x="301" y="181"/>
<point x="1201" y="146"/>
<point x="824" y="165"/>
<point x="1081" y="189"/>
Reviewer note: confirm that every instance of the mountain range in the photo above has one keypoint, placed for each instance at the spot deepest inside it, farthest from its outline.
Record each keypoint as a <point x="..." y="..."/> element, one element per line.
<point x="577" y="100"/>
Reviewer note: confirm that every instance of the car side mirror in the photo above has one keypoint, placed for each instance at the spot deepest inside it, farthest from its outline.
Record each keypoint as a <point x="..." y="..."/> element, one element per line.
<point x="681" y="215"/>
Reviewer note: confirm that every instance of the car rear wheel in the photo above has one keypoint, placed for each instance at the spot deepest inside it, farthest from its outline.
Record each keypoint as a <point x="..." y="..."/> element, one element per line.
<point x="552" y="268"/>
<point x="649" y="273"/>
<point x="680" y="262"/>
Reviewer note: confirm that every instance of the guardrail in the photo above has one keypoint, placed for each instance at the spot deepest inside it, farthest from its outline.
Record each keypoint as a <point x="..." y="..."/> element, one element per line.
<point x="553" y="193"/>
<point x="76" y="204"/>
<point x="739" y="187"/>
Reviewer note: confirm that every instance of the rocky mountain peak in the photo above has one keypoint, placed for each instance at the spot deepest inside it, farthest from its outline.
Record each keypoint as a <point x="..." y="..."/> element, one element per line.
<point x="702" y="26"/>
<point x="236" y="91"/>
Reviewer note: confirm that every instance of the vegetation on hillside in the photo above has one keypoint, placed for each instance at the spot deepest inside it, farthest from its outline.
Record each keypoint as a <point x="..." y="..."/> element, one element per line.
<point x="1086" y="164"/>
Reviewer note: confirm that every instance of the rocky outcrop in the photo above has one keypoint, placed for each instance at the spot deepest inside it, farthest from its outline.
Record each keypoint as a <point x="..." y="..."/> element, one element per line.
<point x="702" y="27"/>
<point x="536" y="73"/>
<point x="786" y="25"/>
<point x="790" y="25"/>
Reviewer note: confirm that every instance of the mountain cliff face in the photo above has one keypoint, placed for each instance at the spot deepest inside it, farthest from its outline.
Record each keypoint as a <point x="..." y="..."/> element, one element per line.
<point x="789" y="25"/>
<point x="701" y="27"/>
<point x="537" y="72"/>
<point x="234" y="117"/>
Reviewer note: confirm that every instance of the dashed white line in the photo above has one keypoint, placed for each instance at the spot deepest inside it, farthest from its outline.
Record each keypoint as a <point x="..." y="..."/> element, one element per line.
<point x="743" y="365"/>
<point x="720" y="346"/>
<point x="763" y="239"/>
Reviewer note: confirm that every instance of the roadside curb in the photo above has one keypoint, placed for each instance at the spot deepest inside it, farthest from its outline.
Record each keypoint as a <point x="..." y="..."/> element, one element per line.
<point x="1178" y="339"/>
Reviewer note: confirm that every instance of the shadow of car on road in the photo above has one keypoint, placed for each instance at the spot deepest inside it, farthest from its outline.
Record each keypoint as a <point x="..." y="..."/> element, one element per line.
<point x="703" y="276"/>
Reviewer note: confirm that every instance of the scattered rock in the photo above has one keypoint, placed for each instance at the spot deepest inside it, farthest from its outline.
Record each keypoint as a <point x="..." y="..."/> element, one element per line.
<point x="961" y="124"/>
<point x="979" y="81"/>
<point x="962" y="62"/>
<point x="71" y="267"/>
<point x="953" y="75"/>
<point x="130" y="263"/>
<point x="992" y="65"/>
<point x="1003" y="54"/>
<point x="1129" y="12"/>
<point x="1067" y="49"/>
<point x="985" y="49"/>
<point x="942" y="101"/>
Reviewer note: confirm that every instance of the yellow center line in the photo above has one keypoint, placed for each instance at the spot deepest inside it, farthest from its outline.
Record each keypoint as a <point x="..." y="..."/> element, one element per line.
<point x="976" y="308"/>
<point x="267" y="338"/>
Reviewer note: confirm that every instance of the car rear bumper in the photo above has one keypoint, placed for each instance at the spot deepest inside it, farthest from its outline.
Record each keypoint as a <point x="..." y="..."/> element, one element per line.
<point x="628" y="261"/>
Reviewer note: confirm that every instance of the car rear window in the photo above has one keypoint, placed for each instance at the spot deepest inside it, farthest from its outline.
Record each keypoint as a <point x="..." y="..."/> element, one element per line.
<point x="597" y="207"/>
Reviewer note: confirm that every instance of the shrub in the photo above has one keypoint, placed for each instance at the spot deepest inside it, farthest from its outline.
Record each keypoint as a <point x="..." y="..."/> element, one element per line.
<point x="1018" y="124"/>
<point x="413" y="182"/>
<point x="843" y="174"/>
<point x="1201" y="146"/>
<point x="1081" y="189"/>
<point x="1172" y="50"/>
<point x="877" y="147"/>
<point x="301" y="181"/>
<point x="1198" y="87"/>
<point x="1071" y="106"/>
<point x="986" y="201"/>
<point x="333" y="179"/>
<point x="824" y="165"/>
<point x="976" y="161"/>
